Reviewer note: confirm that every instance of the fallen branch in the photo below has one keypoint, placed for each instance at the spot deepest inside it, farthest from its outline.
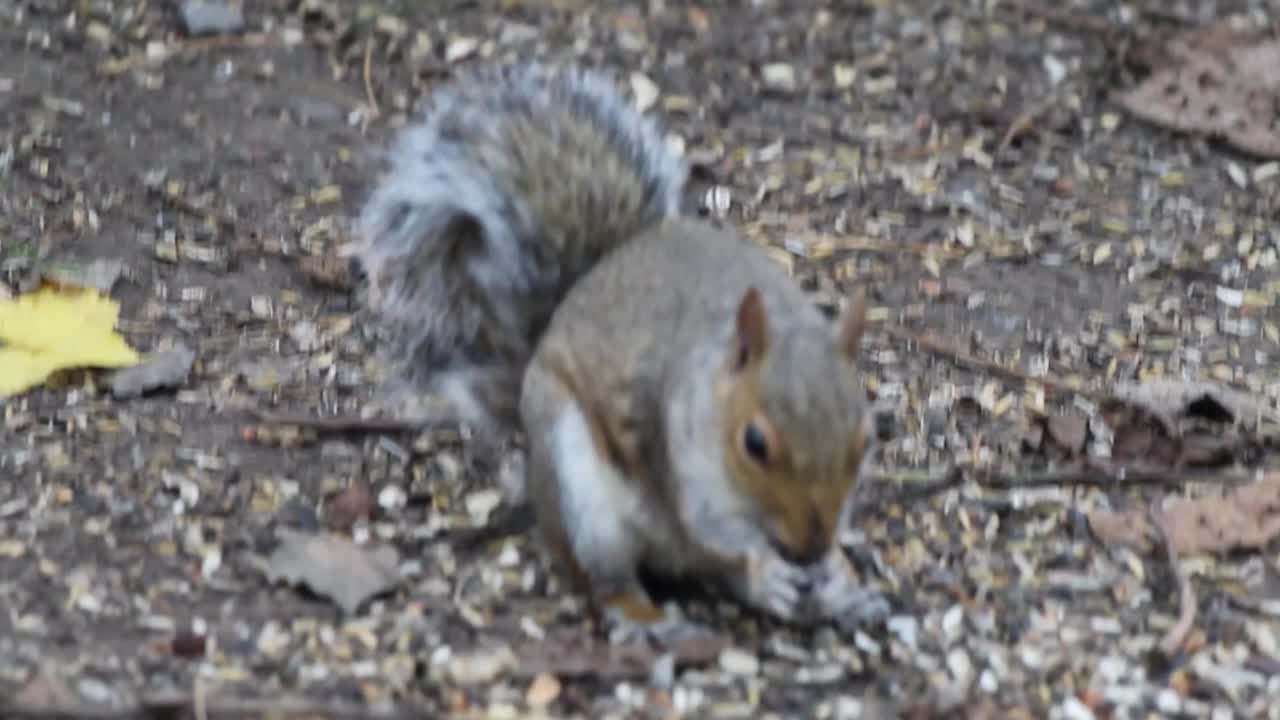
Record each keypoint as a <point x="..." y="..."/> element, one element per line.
<point x="1176" y="637"/>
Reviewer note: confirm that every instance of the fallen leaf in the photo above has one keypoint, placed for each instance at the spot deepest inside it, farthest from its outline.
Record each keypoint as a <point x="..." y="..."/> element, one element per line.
<point x="45" y="689"/>
<point x="334" y="567"/>
<point x="1246" y="517"/>
<point x="54" y="329"/>
<point x="1068" y="432"/>
<point x="1218" y="89"/>
<point x="167" y="368"/>
<point x="1115" y="527"/>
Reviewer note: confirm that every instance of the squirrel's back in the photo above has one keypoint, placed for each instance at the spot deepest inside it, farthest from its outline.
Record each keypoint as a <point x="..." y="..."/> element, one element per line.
<point x="514" y="183"/>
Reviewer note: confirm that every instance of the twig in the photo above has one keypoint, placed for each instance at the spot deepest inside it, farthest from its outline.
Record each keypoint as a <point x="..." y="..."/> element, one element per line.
<point x="199" y="699"/>
<point x="343" y="424"/>
<point x="1026" y="119"/>
<point x="910" y="486"/>
<point x="368" y="79"/>
<point x="186" y="206"/>
<point x="895" y="247"/>
<point x="142" y="59"/>
<point x="166" y="705"/>
<point x="1099" y="473"/>
<point x="1065" y="18"/>
<point x="936" y="346"/>
<point x="1176" y="636"/>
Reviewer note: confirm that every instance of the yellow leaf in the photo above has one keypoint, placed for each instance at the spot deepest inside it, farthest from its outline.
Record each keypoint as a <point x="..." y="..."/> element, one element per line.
<point x="54" y="329"/>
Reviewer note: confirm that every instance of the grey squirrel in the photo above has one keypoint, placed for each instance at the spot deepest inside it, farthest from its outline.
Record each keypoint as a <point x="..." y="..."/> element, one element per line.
<point x="687" y="408"/>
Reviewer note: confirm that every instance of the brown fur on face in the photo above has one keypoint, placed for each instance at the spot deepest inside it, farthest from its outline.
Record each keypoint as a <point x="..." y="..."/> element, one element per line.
<point x="793" y="429"/>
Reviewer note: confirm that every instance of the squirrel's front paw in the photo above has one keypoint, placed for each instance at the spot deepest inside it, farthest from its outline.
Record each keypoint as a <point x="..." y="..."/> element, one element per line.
<point x="774" y="585"/>
<point x="630" y="619"/>
<point x="840" y="598"/>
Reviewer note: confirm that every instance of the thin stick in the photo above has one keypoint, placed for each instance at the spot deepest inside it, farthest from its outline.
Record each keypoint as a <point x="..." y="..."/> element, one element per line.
<point x="1099" y="475"/>
<point x="1026" y="119"/>
<point x="141" y="59"/>
<point x="215" y="708"/>
<point x="914" y="486"/>
<point x="1063" y="18"/>
<point x="1176" y="636"/>
<point x="343" y="424"/>
<point x="368" y="79"/>
<point x="936" y="346"/>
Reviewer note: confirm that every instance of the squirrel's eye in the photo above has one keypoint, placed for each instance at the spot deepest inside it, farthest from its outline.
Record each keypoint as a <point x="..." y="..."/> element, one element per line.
<point x="754" y="443"/>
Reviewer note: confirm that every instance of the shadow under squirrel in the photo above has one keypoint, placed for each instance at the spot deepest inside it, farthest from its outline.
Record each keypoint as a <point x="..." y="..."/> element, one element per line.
<point x="687" y="408"/>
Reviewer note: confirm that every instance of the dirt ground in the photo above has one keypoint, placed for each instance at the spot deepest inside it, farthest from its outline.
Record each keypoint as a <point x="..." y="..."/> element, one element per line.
<point x="962" y="160"/>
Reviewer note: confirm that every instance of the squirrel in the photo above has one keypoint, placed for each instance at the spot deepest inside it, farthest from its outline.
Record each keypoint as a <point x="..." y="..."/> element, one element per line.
<point x="687" y="409"/>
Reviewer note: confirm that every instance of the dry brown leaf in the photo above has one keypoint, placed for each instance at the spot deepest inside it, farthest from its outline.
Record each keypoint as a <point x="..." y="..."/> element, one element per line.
<point x="45" y="689"/>
<point x="1246" y="517"/>
<point x="1228" y="92"/>
<point x="1119" y="528"/>
<point x="334" y="567"/>
<point x="1068" y="432"/>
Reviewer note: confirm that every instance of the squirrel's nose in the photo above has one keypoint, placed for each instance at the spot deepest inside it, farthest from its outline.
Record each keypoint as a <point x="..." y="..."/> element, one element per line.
<point x="807" y="554"/>
<point x="810" y="548"/>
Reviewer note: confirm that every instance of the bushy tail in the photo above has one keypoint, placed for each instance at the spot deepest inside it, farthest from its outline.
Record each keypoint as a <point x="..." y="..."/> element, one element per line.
<point x="515" y="182"/>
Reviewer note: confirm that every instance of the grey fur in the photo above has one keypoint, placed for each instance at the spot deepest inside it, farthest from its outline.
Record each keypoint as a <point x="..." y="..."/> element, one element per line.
<point x="463" y="249"/>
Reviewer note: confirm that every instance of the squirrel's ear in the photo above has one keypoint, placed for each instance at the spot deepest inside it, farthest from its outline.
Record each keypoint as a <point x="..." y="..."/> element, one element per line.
<point x="752" y="331"/>
<point x="853" y="323"/>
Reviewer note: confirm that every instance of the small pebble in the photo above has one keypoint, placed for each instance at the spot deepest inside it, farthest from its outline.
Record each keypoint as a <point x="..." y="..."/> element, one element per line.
<point x="906" y="627"/>
<point x="779" y="76"/>
<point x="864" y="643"/>
<point x="1169" y="702"/>
<point x="392" y="497"/>
<point x="480" y="668"/>
<point x="1074" y="709"/>
<point x="739" y="662"/>
<point x="988" y="682"/>
<point x="94" y="691"/>
<point x="953" y="624"/>
<point x="960" y="666"/>
<point x="663" y="673"/>
<point x="202" y="17"/>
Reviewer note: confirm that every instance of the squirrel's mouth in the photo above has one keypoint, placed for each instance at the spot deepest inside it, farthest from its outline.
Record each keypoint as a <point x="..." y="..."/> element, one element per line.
<point x="802" y="543"/>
